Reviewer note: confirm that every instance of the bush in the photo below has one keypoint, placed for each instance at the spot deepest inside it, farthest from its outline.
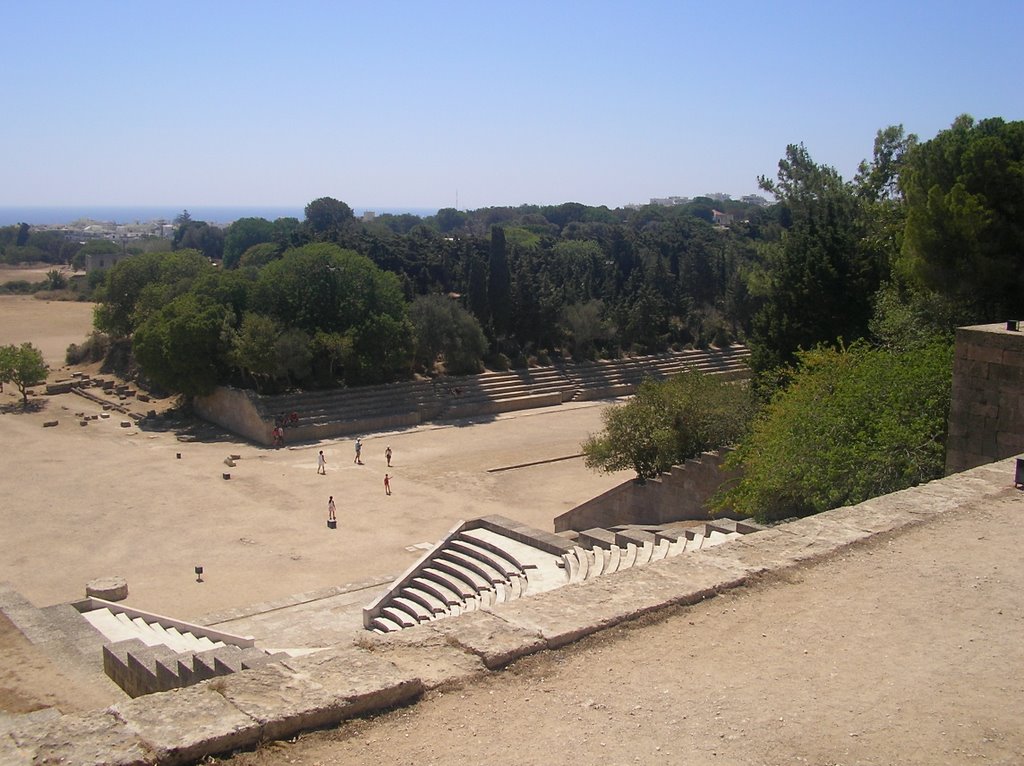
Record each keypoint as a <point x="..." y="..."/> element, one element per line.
<point x="667" y="422"/>
<point x="851" y="424"/>
<point x="92" y="349"/>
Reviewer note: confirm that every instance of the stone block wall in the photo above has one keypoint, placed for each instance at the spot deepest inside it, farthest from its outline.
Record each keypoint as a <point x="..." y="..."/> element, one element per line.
<point x="986" y="416"/>
<point x="680" y="495"/>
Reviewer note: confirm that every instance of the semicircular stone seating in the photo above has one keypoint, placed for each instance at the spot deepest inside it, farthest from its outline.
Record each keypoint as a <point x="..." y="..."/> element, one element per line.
<point x="480" y="567"/>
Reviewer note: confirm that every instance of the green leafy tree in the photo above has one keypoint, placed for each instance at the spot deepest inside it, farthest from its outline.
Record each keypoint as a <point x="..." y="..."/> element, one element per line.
<point x="184" y="345"/>
<point x="253" y="347"/>
<point x="499" y="284"/>
<point x="23" y="366"/>
<point x="585" y="326"/>
<point x="445" y="330"/>
<point x="667" y="422"/>
<point x="140" y="284"/>
<point x="327" y="218"/>
<point x="382" y="349"/>
<point x="965" y="197"/>
<point x="243" y="234"/>
<point x="817" y="282"/>
<point x="853" y="423"/>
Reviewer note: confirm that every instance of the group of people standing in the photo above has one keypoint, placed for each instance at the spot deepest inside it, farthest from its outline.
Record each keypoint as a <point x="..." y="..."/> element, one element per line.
<point x="321" y="469"/>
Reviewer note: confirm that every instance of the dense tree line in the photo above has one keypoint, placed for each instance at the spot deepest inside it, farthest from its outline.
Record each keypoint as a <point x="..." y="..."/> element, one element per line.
<point x="925" y="236"/>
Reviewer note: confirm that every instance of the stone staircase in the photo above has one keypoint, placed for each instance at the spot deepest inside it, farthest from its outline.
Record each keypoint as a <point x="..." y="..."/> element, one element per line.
<point x="620" y="377"/>
<point x="339" y="412"/>
<point x="487" y="562"/>
<point x="140" y="668"/>
<point x="601" y="551"/>
<point x="145" y="652"/>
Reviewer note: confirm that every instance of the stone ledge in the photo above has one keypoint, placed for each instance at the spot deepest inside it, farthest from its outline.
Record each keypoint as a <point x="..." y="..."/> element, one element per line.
<point x="319" y="690"/>
<point x="184" y="725"/>
<point x="97" y="737"/>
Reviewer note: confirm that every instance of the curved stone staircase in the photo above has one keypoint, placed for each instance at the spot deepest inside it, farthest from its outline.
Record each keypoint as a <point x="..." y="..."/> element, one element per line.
<point x="486" y="562"/>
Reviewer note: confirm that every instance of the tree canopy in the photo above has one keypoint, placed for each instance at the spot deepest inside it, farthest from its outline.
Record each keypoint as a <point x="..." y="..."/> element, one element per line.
<point x="23" y="366"/>
<point x="965" y="200"/>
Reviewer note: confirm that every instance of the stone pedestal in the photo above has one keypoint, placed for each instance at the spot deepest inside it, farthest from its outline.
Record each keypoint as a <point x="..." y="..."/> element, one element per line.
<point x="108" y="588"/>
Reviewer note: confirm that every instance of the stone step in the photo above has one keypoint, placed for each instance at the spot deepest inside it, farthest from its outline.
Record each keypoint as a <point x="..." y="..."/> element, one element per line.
<point x="385" y="625"/>
<point x="425" y="599"/>
<point x="452" y="582"/>
<point x="447" y="597"/>
<point x="614" y="562"/>
<point x="455" y="568"/>
<point x="489" y="573"/>
<point x="398" y="616"/>
<point x="412" y="607"/>
<point x="502" y="564"/>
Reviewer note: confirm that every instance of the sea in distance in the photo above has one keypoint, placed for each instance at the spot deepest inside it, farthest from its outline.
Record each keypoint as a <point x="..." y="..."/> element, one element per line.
<point x="39" y="216"/>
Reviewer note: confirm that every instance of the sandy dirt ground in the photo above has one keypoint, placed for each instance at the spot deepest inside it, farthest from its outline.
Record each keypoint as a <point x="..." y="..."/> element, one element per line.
<point x="905" y="650"/>
<point x="87" y="502"/>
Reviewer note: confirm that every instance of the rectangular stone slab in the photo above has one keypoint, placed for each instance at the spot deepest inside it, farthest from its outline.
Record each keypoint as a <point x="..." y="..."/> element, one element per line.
<point x="319" y="690"/>
<point x="89" y="738"/>
<point x="571" y="612"/>
<point x="184" y="725"/>
<point x="490" y="637"/>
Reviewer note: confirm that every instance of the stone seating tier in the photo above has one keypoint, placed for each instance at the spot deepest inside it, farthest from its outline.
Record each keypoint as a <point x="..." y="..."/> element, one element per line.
<point x="324" y="414"/>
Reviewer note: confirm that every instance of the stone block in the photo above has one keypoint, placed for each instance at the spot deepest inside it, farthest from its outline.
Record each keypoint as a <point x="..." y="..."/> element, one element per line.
<point x="50" y="423"/>
<point x="319" y="690"/>
<point x="426" y="652"/>
<point x="495" y="640"/>
<point x="90" y="738"/>
<point x="112" y="588"/>
<point x="185" y="725"/>
<point x="569" y="613"/>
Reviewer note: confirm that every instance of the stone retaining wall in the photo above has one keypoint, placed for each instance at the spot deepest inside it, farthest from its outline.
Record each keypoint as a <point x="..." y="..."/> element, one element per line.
<point x="986" y="415"/>
<point x="680" y="495"/>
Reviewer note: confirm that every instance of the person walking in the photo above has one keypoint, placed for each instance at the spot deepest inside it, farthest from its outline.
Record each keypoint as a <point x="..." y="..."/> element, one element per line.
<point x="359" y="451"/>
<point x="387" y="454"/>
<point x="331" y="509"/>
<point x="387" y="484"/>
<point x="321" y="464"/>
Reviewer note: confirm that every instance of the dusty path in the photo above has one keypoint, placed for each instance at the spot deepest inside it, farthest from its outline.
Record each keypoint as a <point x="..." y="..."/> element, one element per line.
<point x="906" y="650"/>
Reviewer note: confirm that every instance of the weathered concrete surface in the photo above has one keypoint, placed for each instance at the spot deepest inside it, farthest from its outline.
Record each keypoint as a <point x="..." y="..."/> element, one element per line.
<point x="90" y="738"/>
<point x="427" y="652"/>
<point x="184" y="725"/>
<point x="492" y="638"/>
<point x="571" y="612"/>
<point x="318" y="690"/>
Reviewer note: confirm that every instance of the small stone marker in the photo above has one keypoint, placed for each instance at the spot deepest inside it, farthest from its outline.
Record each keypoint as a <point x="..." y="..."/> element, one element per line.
<point x="108" y="588"/>
<point x="50" y="423"/>
<point x="229" y="462"/>
<point x="126" y="424"/>
<point x="226" y="476"/>
<point x="83" y="422"/>
<point x="236" y="457"/>
<point x="177" y="455"/>
<point x="104" y="415"/>
<point x="332" y="523"/>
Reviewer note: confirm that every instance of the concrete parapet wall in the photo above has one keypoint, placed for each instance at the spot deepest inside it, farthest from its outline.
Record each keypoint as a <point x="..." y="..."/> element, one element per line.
<point x="986" y="416"/>
<point x="680" y="495"/>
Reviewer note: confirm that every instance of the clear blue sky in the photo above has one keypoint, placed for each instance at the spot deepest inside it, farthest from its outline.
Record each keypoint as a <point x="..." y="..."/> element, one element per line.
<point x="403" y="104"/>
